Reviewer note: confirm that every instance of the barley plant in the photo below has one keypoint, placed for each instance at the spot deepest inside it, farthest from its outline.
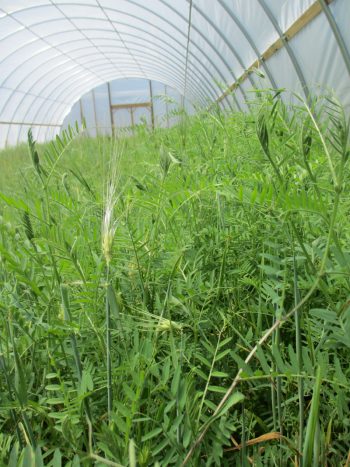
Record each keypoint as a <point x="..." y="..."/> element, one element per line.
<point x="179" y="296"/>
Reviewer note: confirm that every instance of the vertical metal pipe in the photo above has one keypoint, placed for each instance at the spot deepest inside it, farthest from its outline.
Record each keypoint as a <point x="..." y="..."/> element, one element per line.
<point x="132" y="120"/>
<point x="188" y="43"/>
<point x="7" y="136"/>
<point x="151" y="100"/>
<point x="95" y="114"/>
<point x="288" y="48"/>
<point x="166" y="105"/>
<point x="81" y="112"/>
<point x="250" y="40"/>
<point x="229" y="46"/>
<point x="337" y="34"/>
<point x="110" y="108"/>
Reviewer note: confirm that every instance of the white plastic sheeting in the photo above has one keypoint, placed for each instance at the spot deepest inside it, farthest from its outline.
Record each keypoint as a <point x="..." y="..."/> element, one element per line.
<point x="54" y="51"/>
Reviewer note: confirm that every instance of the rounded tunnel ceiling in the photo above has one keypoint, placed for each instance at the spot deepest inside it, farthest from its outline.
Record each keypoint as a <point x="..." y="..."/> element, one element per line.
<point x="53" y="52"/>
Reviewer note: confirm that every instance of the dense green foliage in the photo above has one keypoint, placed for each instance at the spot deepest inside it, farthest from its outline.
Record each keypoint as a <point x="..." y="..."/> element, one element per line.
<point x="221" y="232"/>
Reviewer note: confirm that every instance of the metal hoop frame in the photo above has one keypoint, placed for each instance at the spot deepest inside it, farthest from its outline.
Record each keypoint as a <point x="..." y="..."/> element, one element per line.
<point x="191" y="67"/>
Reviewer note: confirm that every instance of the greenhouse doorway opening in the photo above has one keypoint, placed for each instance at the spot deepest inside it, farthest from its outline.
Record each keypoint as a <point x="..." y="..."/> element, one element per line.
<point x="119" y="106"/>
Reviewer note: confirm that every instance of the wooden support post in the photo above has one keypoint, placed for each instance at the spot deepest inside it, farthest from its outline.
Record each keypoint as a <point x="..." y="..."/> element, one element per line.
<point x="131" y="108"/>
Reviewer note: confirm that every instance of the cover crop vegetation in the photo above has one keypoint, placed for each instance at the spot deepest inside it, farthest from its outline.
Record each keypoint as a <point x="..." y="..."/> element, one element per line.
<point x="207" y="322"/>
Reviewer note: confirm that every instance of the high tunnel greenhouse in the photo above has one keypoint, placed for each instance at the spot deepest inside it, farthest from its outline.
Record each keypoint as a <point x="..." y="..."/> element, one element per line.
<point x="174" y="233"/>
<point x="54" y="52"/>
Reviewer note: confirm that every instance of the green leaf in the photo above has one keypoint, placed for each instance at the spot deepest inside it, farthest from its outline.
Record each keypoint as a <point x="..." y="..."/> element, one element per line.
<point x="324" y="314"/>
<point x="166" y="371"/>
<point x="159" y="448"/>
<point x="86" y="383"/>
<point x="234" y="399"/>
<point x="222" y="354"/>
<point x="176" y="381"/>
<point x="216" y="389"/>
<point x="224" y="342"/>
<point x="169" y="406"/>
<point x="13" y="456"/>
<point x="151" y="434"/>
<point x="200" y="373"/>
<point x="51" y="375"/>
<point x="18" y="204"/>
<point x="20" y="379"/>
<point x="132" y="453"/>
<point x="203" y="360"/>
<point x="27" y="457"/>
<point x="55" y="400"/>
<point x="33" y="152"/>
<point x="39" y="462"/>
<point x="262" y="359"/>
<point x="219" y="374"/>
<point x="53" y="387"/>
<point x="208" y="347"/>
<point x="210" y="404"/>
<point x="182" y="394"/>
<point x="57" y="458"/>
<point x="312" y="422"/>
<point x="129" y="392"/>
<point x="113" y="303"/>
<point x="76" y="461"/>
<point x="281" y="365"/>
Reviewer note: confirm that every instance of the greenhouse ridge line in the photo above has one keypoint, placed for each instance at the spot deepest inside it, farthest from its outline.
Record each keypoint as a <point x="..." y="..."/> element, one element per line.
<point x="312" y="12"/>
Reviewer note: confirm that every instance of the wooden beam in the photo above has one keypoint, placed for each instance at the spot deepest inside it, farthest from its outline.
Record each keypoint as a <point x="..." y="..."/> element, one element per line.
<point x="312" y="12"/>
<point x="131" y="106"/>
